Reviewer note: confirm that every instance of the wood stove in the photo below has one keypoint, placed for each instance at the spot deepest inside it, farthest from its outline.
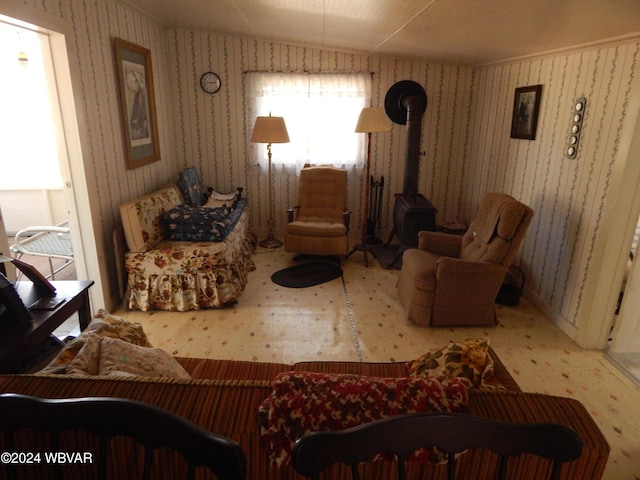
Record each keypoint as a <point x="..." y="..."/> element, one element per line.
<point x="411" y="214"/>
<point x="405" y="103"/>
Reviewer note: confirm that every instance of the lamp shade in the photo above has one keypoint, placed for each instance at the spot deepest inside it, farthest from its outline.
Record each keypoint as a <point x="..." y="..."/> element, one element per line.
<point x="270" y="130"/>
<point x="372" y="120"/>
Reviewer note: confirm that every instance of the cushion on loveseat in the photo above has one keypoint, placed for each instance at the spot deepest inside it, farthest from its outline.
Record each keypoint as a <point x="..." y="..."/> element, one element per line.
<point x="190" y="186"/>
<point x="199" y="224"/>
<point x="114" y="357"/>
<point x="202" y="224"/>
<point x="467" y="358"/>
<point x="113" y="346"/>
<point x="217" y="199"/>
<point x="302" y="402"/>
<point x="142" y="218"/>
<point x="104" y="324"/>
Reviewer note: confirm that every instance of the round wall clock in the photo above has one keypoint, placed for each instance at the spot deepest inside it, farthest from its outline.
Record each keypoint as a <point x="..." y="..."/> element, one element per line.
<point x="210" y="82"/>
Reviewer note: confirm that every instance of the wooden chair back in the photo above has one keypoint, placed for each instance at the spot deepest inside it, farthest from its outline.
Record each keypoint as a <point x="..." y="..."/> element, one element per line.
<point x="401" y="435"/>
<point x="107" y="418"/>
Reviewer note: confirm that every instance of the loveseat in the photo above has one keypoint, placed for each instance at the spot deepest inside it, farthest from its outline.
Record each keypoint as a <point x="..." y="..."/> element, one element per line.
<point x="226" y="396"/>
<point x="185" y="254"/>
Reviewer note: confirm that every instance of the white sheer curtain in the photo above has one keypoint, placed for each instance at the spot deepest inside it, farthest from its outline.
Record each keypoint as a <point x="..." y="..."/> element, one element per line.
<point x="320" y="110"/>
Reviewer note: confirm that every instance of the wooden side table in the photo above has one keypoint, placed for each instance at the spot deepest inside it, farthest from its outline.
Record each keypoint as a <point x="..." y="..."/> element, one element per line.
<point x="18" y="339"/>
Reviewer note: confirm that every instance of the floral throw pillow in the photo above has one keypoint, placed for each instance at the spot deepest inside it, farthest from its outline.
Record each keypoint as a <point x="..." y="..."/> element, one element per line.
<point x="104" y="324"/>
<point x="87" y="360"/>
<point x="114" y="357"/>
<point x="120" y="358"/>
<point x="468" y="359"/>
<point x="302" y="402"/>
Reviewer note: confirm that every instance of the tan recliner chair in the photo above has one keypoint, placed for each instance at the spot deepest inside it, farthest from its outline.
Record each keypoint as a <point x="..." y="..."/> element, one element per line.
<point x="319" y="224"/>
<point x="452" y="279"/>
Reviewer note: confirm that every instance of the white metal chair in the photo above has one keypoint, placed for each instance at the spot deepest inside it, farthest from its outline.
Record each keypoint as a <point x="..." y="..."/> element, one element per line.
<point x="45" y="241"/>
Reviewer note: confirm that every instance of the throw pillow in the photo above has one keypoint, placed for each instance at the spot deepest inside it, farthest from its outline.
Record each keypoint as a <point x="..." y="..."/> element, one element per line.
<point x="189" y="184"/>
<point x="489" y="382"/>
<point x="215" y="203"/>
<point x="104" y="324"/>
<point x="217" y="199"/>
<point x="87" y="360"/>
<point x="117" y="356"/>
<point x="225" y="196"/>
<point x="468" y="359"/>
<point x="302" y="402"/>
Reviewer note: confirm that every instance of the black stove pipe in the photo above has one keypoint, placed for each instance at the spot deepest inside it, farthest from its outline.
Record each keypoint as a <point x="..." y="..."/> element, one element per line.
<point x="415" y="107"/>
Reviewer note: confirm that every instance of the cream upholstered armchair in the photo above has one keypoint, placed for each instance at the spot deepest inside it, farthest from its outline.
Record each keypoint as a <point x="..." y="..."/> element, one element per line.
<point x="319" y="224"/>
<point x="452" y="279"/>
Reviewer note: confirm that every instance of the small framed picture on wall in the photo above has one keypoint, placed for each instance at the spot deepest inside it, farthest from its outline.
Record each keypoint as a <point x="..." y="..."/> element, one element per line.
<point x="525" y="112"/>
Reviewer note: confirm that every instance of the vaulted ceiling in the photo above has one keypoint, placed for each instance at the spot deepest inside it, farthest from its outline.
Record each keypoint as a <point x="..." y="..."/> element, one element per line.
<point x="471" y="32"/>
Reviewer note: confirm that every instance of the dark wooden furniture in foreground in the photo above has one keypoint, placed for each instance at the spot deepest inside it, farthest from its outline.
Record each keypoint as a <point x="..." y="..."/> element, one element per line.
<point x="224" y="395"/>
<point x="402" y="435"/>
<point x="19" y="339"/>
<point x="106" y="418"/>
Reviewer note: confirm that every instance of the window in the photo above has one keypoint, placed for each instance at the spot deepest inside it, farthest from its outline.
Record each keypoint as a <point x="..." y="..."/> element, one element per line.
<point x="320" y="110"/>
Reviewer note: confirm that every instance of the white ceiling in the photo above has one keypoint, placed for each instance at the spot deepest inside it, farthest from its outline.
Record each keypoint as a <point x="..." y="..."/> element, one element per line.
<point x="458" y="31"/>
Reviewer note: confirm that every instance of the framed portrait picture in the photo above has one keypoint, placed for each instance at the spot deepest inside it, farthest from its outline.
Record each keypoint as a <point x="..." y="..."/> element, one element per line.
<point x="525" y="112"/>
<point x="137" y="102"/>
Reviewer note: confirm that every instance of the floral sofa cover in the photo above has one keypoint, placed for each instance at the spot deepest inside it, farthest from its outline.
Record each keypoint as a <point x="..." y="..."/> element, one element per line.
<point x="165" y="272"/>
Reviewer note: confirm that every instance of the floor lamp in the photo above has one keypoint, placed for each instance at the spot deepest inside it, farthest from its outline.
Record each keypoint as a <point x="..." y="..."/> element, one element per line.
<point x="270" y="130"/>
<point x="371" y="120"/>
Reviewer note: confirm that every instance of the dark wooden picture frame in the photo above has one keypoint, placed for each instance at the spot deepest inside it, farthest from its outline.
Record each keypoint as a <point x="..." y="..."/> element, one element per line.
<point x="137" y="103"/>
<point x="526" y="105"/>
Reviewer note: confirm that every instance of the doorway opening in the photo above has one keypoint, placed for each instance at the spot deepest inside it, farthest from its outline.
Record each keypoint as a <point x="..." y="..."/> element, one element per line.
<point x="32" y="194"/>
<point x="623" y="348"/>
<point x="74" y="199"/>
